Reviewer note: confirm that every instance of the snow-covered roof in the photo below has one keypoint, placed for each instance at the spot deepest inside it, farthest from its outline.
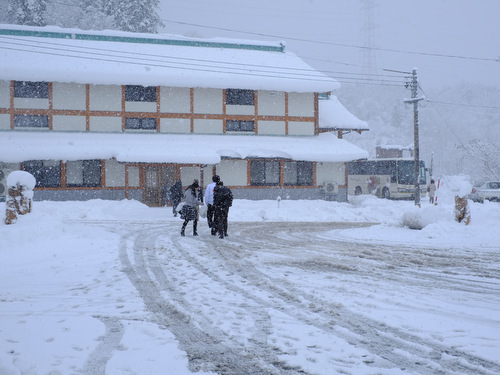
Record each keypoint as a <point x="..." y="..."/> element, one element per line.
<point x="20" y="146"/>
<point x="334" y="116"/>
<point x="111" y="57"/>
<point x="395" y="147"/>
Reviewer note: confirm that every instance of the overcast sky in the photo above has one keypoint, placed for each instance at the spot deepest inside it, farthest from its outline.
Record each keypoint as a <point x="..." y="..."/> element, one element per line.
<point x="331" y="35"/>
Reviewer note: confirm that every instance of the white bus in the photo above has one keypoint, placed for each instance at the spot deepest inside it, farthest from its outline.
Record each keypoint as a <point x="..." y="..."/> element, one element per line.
<point x="385" y="178"/>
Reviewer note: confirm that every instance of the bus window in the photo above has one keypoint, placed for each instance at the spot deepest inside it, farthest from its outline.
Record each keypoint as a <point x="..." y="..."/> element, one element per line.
<point x="423" y="180"/>
<point x="406" y="172"/>
<point x="387" y="167"/>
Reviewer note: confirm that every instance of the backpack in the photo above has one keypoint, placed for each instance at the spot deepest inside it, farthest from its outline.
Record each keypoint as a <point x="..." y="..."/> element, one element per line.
<point x="223" y="196"/>
<point x="228" y="197"/>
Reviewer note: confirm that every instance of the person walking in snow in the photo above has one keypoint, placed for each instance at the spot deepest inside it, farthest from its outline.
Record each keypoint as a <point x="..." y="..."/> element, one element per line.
<point x="209" y="201"/>
<point x="175" y="194"/>
<point x="223" y="199"/>
<point x="189" y="210"/>
<point x="431" y="190"/>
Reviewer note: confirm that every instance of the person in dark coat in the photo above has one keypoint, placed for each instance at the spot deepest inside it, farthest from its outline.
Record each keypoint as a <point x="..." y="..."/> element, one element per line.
<point x="209" y="201"/>
<point x="190" y="208"/>
<point x="223" y="199"/>
<point x="175" y="194"/>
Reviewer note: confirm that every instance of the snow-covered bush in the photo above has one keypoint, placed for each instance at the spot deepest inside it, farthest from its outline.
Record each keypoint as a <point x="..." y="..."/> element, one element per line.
<point x="19" y="198"/>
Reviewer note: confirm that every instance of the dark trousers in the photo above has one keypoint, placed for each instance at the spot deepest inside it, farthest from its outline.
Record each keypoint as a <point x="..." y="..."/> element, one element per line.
<point x="195" y="224"/>
<point x="221" y="214"/>
<point x="174" y="207"/>
<point x="210" y="215"/>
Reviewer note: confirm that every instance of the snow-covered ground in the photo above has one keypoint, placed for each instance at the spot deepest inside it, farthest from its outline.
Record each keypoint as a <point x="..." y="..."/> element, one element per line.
<point x="298" y="287"/>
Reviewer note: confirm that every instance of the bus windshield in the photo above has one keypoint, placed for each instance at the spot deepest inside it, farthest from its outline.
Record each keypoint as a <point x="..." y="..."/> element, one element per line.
<point x="406" y="172"/>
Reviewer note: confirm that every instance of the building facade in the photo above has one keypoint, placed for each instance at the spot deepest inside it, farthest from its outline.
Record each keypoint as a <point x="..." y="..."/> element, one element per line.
<point x="157" y="120"/>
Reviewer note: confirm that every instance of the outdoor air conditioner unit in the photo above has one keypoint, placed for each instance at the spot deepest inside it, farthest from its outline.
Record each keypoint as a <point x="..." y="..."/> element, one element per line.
<point x="3" y="184"/>
<point x="329" y="187"/>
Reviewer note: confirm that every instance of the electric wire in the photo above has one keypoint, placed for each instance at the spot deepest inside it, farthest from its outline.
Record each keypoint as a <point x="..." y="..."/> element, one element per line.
<point x="106" y="52"/>
<point x="49" y="48"/>
<point x="451" y="56"/>
<point x="445" y="121"/>
<point x="135" y="60"/>
<point x="340" y="44"/>
<point x="462" y="104"/>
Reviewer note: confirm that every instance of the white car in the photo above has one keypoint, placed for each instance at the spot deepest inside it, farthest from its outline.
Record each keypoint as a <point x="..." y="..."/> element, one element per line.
<point x="489" y="190"/>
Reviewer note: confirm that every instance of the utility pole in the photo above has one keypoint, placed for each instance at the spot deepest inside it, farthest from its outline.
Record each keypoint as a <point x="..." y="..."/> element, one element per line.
<point x="416" y="150"/>
<point x="432" y="162"/>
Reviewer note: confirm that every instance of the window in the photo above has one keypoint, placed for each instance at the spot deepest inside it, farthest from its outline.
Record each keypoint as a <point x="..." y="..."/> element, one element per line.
<point x="140" y="93"/>
<point x="406" y="172"/>
<point x="264" y="173"/>
<point x="298" y="173"/>
<point x="239" y="97"/>
<point x="31" y="121"/>
<point x="133" y="123"/>
<point x="83" y="173"/>
<point x="240" y="126"/>
<point x="27" y="89"/>
<point x="46" y="172"/>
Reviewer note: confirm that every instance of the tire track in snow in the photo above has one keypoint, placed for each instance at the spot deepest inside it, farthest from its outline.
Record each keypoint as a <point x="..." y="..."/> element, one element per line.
<point x="288" y="302"/>
<point x="426" y="357"/>
<point x="208" y="349"/>
<point x="378" y="338"/>
<point x="97" y="360"/>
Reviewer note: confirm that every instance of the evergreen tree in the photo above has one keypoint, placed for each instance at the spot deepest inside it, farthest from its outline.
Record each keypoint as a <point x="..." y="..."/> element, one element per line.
<point x="27" y="12"/>
<point x="135" y="16"/>
<point x="125" y="15"/>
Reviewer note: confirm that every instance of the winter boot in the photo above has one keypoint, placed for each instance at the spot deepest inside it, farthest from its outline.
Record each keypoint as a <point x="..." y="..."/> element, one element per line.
<point x="183" y="228"/>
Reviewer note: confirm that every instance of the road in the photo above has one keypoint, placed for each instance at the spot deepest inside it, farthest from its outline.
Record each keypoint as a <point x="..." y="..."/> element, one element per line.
<point x="231" y="303"/>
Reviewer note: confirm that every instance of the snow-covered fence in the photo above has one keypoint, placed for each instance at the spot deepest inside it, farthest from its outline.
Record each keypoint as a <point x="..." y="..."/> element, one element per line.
<point x="19" y="198"/>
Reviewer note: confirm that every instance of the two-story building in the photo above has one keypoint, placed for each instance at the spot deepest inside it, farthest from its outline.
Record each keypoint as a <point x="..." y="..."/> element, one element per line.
<point x="115" y="115"/>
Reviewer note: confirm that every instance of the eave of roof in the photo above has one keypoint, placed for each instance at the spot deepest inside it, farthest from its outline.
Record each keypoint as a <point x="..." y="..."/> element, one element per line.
<point x="334" y="116"/>
<point x="19" y="146"/>
<point x="140" y="40"/>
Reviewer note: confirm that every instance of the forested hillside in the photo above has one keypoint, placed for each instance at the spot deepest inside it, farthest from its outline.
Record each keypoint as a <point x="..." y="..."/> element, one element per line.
<point x="459" y="125"/>
<point x="127" y="15"/>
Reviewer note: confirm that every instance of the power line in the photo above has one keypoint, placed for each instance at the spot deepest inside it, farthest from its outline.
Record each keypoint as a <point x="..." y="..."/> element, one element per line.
<point x="462" y="104"/>
<point x="166" y="61"/>
<point x="175" y="62"/>
<point x="338" y="44"/>
<point x="103" y="51"/>
<point x="446" y="123"/>
<point x="457" y="104"/>
<point x="430" y="54"/>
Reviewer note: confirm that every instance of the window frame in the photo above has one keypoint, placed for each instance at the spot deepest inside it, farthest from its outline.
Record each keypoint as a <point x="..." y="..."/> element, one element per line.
<point x="31" y="89"/>
<point x="240" y="126"/>
<point x="140" y="121"/>
<point x="259" y="170"/>
<point x="31" y="121"/>
<point x="240" y="97"/>
<point x="304" y="173"/>
<point x="47" y="176"/>
<point x="88" y="172"/>
<point x="138" y="93"/>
